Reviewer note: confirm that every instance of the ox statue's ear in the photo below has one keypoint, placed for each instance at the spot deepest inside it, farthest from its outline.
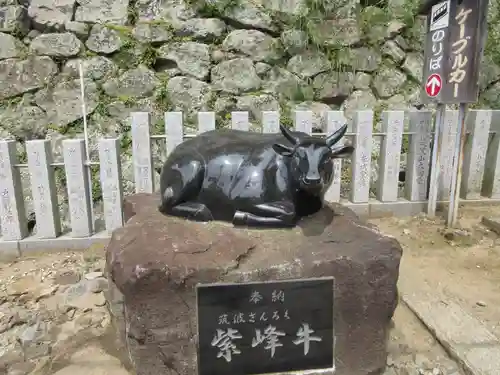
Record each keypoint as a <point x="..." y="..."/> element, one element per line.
<point x="342" y="152"/>
<point x="282" y="149"/>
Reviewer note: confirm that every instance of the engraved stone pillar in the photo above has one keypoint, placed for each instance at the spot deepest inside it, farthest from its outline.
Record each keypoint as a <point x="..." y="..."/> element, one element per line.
<point x="155" y="262"/>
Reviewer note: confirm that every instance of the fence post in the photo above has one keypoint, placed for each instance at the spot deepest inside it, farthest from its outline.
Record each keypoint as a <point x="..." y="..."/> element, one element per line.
<point x="141" y="153"/>
<point x="270" y="122"/>
<point x="206" y="122"/>
<point x="448" y="140"/>
<point x="111" y="183"/>
<point x="362" y="156"/>
<point x="12" y="210"/>
<point x="334" y="121"/>
<point x="239" y="121"/>
<point x="43" y="189"/>
<point x="491" y="180"/>
<point x="302" y="121"/>
<point x="78" y="185"/>
<point x="390" y="155"/>
<point x="173" y="130"/>
<point x="419" y="156"/>
<point x="475" y="153"/>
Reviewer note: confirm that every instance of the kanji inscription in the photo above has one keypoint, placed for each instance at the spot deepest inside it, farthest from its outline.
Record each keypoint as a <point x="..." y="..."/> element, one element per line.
<point x="267" y="327"/>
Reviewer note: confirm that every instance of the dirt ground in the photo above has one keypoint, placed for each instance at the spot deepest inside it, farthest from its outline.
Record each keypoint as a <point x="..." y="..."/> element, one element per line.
<point x="463" y="264"/>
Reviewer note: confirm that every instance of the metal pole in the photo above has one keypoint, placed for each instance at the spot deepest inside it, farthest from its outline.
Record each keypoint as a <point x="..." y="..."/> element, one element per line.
<point x="435" y="169"/>
<point x="458" y="158"/>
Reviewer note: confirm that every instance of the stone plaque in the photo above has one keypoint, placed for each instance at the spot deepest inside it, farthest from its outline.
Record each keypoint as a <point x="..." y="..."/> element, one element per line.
<point x="266" y="327"/>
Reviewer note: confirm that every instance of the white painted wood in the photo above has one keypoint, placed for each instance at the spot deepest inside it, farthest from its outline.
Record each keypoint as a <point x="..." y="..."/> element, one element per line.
<point x="111" y="183"/>
<point x="239" y="121"/>
<point x="362" y="156"/>
<point x="141" y="153"/>
<point x="206" y="121"/>
<point x="78" y="185"/>
<point x="270" y="122"/>
<point x="173" y="130"/>
<point x="390" y="156"/>
<point x="43" y="188"/>
<point x="334" y="121"/>
<point x="491" y="180"/>
<point x="302" y="121"/>
<point x="448" y="141"/>
<point x="12" y="211"/>
<point x="476" y="147"/>
<point x="419" y="156"/>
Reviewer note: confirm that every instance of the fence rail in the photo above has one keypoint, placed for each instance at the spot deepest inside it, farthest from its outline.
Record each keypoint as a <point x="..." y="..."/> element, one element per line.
<point x="481" y="177"/>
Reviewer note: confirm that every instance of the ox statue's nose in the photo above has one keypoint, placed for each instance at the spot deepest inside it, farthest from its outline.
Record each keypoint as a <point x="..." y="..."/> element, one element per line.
<point x="312" y="181"/>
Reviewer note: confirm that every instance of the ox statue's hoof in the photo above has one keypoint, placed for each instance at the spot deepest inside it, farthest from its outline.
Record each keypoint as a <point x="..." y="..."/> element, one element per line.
<point x="240" y="218"/>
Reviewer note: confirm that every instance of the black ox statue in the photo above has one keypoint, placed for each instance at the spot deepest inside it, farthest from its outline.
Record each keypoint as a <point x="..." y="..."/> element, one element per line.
<point x="250" y="179"/>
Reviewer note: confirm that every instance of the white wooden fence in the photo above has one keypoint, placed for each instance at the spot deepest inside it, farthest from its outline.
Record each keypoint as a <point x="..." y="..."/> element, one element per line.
<point x="481" y="178"/>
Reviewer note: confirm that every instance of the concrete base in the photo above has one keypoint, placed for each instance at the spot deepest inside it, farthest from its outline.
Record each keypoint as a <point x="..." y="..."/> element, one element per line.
<point x="371" y="209"/>
<point x="492" y="223"/>
<point x="465" y="338"/>
<point x="33" y="245"/>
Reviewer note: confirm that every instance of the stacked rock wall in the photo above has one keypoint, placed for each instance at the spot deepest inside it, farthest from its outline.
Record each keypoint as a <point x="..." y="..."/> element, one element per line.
<point x="192" y="55"/>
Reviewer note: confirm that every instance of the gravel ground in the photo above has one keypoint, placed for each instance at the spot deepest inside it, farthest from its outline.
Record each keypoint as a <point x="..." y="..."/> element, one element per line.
<point x="54" y="321"/>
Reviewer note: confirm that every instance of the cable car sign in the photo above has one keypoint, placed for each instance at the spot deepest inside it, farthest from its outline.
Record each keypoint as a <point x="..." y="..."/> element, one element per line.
<point x="454" y="46"/>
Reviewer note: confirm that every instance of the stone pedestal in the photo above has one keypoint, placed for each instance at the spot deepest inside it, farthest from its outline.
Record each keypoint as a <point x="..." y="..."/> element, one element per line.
<point x="156" y="261"/>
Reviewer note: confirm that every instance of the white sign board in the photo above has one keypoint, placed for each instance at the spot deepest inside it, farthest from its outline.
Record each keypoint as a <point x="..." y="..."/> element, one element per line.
<point x="440" y="16"/>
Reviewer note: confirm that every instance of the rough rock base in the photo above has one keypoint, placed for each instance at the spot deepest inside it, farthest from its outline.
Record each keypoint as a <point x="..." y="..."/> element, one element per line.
<point x="156" y="261"/>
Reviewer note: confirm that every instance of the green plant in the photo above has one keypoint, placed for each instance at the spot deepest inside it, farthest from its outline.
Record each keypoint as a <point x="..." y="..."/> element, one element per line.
<point x="132" y="12"/>
<point x="95" y="184"/>
<point x="159" y="22"/>
<point x="377" y="113"/>
<point x="212" y="9"/>
<point x="22" y="156"/>
<point x="89" y="53"/>
<point x="73" y="128"/>
<point x="158" y="127"/>
<point x="121" y="29"/>
<point x="405" y="143"/>
<point x="148" y="56"/>
<point x="408" y="12"/>
<point x="56" y="128"/>
<point x="104" y="101"/>
<point x="310" y="19"/>
<point x="127" y="100"/>
<point x="299" y="93"/>
<point x="10" y="103"/>
<point x="18" y="32"/>
<point x="102" y="109"/>
<point x="129" y="43"/>
<point x="60" y="176"/>
<point x="125" y="141"/>
<point x="161" y="99"/>
<point x="491" y="47"/>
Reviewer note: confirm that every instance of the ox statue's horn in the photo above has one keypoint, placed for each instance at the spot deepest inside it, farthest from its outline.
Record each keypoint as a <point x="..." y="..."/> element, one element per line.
<point x="335" y="137"/>
<point x="288" y="135"/>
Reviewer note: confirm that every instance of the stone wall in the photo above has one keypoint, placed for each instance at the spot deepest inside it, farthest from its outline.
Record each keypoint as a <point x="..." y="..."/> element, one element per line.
<point x="191" y="55"/>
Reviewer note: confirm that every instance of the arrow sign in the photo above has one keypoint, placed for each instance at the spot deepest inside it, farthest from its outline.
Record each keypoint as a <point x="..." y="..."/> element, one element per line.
<point x="433" y="85"/>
